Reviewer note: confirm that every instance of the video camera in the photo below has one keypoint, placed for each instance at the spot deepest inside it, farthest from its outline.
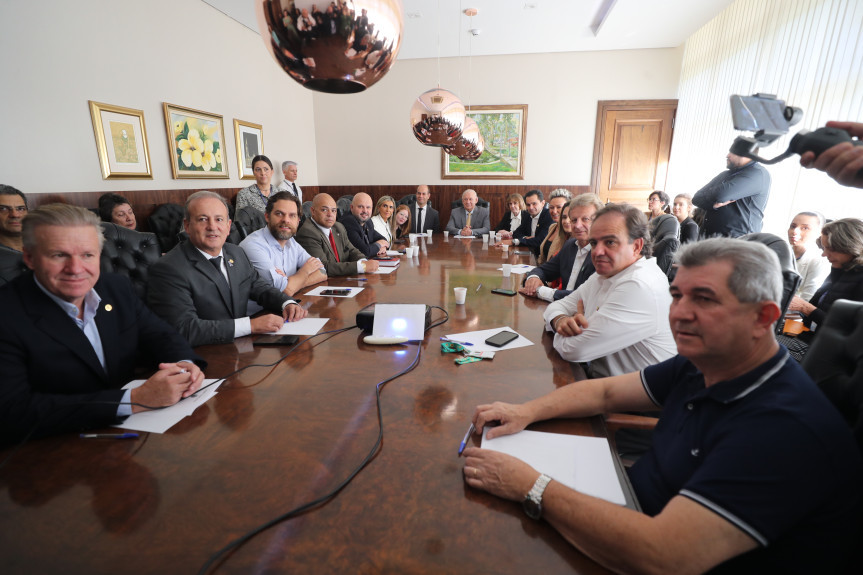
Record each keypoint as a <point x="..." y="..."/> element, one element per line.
<point x="769" y="118"/>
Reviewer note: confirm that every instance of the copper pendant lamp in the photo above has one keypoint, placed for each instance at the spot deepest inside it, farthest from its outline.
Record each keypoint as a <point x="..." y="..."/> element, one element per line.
<point x="470" y="145"/>
<point x="437" y="118"/>
<point x="342" y="49"/>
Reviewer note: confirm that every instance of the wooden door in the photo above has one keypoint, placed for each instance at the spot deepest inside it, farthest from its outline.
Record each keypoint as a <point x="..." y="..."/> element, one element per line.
<point x="631" y="149"/>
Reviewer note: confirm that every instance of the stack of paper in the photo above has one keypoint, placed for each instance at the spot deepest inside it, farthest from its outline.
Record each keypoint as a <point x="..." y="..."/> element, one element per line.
<point x="161" y="420"/>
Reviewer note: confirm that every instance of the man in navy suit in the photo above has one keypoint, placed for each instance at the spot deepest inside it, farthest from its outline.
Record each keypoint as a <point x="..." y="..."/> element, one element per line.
<point x="361" y="232"/>
<point x="533" y="228"/>
<point x="71" y="337"/>
<point x="573" y="265"/>
<point x="203" y="286"/>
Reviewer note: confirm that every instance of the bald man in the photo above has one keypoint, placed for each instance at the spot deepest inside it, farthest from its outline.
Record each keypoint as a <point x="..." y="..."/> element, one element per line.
<point x="469" y="220"/>
<point x="326" y="239"/>
<point x="360" y="230"/>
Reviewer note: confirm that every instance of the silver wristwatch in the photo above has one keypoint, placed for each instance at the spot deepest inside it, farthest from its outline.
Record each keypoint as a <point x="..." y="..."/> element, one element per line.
<point x="532" y="503"/>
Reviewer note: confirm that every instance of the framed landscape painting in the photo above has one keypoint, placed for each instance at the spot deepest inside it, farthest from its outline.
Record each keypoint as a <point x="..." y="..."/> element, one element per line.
<point x="250" y="142"/>
<point x="503" y="128"/>
<point x="196" y="141"/>
<point x="121" y="141"/>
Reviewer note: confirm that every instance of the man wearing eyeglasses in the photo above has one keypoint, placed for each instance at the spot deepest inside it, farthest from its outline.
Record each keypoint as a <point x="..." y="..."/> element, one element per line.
<point x="13" y="208"/>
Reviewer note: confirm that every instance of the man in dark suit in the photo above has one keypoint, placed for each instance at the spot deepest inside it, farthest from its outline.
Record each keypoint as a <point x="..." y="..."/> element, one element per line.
<point x="203" y="286"/>
<point x="573" y="265"/>
<point x="361" y="232"/>
<point x="423" y="216"/>
<point x="71" y="337"/>
<point x="326" y="239"/>
<point x="470" y="219"/>
<point x="534" y="227"/>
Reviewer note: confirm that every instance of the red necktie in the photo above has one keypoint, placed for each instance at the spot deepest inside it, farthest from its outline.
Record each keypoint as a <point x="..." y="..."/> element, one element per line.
<point x="333" y="244"/>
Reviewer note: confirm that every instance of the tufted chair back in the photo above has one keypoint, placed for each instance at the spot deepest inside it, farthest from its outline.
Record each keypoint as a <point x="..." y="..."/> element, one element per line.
<point x="248" y="220"/>
<point x="166" y="221"/>
<point x="664" y="231"/>
<point x="11" y="265"/>
<point x="835" y="362"/>
<point x="129" y="253"/>
<point x="343" y="204"/>
<point x="790" y="277"/>
<point x="457" y="203"/>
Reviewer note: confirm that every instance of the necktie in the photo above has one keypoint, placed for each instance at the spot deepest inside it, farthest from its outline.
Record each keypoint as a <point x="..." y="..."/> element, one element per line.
<point x="333" y="245"/>
<point x="467" y="223"/>
<point x="419" y="221"/>
<point x="217" y="263"/>
<point x="296" y="193"/>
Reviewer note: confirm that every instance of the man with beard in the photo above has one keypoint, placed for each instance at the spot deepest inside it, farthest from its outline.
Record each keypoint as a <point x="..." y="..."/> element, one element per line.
<point x="734" y="201"/>
<point x="276" y="254"/>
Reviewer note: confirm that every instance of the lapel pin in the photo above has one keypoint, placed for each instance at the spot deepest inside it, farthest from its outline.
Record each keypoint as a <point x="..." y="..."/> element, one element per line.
<point x="108" y="307"/>
<point x="231" y="263"/>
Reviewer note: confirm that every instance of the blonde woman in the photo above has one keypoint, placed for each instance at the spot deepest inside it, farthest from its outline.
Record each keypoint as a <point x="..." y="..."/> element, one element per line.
<point x="382" y="220"/>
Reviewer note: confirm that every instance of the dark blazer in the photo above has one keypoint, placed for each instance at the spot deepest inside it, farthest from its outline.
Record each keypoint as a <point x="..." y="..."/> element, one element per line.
<point x="432" y="219"/>
<point x="688" y="231"/>
<point x="506" y="221"/>
<point x="188" y="292"/>
<point x="317" y="244"/>
<point x="840" y="284"/>
<point x="478" y="221"/>
<point x="560" y="266"/>
<point x="52" y="378"/>
<point x="11" y="264"/>
<point x="523" y="232"/>
<point x="748" y="187"/>
<point x="362" y="236"/>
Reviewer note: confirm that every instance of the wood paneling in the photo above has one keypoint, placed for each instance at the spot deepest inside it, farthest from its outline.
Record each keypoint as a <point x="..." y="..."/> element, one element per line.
<point x="442" y="196"/>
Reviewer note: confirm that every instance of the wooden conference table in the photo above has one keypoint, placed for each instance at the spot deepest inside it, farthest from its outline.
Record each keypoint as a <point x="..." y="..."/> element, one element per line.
<point x="275" y="438"/>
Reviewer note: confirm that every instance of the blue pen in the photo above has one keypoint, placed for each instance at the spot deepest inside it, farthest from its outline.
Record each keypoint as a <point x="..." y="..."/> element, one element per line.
<point x="455" y="341"/>
<point x="358" y="279"/>
<point x="109" y="436"/>
<point x="467" y="435"/>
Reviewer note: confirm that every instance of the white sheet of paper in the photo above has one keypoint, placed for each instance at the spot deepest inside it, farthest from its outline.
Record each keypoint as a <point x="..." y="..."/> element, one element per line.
<point x="467" y="237"/>
<point x="394" y="320"/>
<point x="581" y="463"/>
<point x="477" y="338"/>
<point x="518" y="268"/>
<point x="318" y="291"/>
<point x="161" y="420"/>
<point x="383" y="270"/>
<point x="394" y="253"/>
<point x="306" y="326"/>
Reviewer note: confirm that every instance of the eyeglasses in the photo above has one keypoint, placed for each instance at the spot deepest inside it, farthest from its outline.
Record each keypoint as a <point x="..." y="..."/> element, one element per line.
<point x="651" y="200"/>
<point x="17" y="209"/>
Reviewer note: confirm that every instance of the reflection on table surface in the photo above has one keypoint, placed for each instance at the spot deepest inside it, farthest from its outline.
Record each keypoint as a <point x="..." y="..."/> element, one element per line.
<point x="274" y="438"/>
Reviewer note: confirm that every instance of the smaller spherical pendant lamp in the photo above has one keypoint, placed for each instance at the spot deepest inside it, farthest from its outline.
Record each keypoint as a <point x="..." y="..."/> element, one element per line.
<point x="437" y="118"/>
<point x="471" y="143"/>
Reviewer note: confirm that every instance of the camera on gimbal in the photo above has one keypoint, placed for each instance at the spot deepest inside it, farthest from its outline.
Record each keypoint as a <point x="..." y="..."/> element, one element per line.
<point x="769" y="118"/>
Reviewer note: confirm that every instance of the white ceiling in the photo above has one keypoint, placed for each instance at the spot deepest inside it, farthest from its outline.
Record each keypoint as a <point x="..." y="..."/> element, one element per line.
<point x="533" y="26"/>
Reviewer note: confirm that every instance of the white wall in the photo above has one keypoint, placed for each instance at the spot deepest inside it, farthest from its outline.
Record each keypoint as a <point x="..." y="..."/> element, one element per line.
<point x="810" y="53"/>
<point x="58" y="54"/>
<point x="367" y="139"/>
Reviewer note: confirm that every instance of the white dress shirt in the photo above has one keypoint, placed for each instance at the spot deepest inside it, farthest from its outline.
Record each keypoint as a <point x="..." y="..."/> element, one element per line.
<point x="628" y="321"/>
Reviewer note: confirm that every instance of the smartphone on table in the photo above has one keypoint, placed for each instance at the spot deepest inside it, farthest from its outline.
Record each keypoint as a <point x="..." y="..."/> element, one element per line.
<point x="502" y="338"/>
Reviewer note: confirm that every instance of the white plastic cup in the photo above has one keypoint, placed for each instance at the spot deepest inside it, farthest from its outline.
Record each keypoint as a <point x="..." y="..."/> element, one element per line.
<point x="460" y="294"/>
<point x="446" y="234"/>
<point x="411" y="251"/>
<point x="429" y="232"/>
<point x="485" y="238"/>
<point x="507" y="270"/>
<point x="505" y="247"/>
<point x="413" y="238"/>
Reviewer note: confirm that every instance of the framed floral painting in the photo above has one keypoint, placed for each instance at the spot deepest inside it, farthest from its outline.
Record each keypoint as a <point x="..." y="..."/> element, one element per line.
<point x="504" y="129"/>
<point x="196" y="141"/>
<point x="250" y="142"/>
<point x="121" y="141"/>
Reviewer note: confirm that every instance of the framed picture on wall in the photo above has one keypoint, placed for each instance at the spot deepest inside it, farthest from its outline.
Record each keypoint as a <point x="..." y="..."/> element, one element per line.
<point x="250" y="142"/>
<point x="121" y="141"/>
<point x="503" y="128"/>
<point x="196" y="141"/>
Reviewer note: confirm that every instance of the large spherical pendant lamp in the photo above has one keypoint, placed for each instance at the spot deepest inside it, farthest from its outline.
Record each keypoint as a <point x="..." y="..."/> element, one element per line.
<point x="340" y="50"/>
<point x="470" y="145"/>
<point x="437" y="118"/>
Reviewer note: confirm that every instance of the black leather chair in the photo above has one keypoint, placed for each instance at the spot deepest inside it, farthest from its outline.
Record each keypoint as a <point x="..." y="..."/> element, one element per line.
<point x="166" y="221"/>
<point x="479" y="201"/>
<point x="408" y="200"/>
<point x="129" y="253"/>
<point x="790" y="277"/>
<point x="248" y="220"/>
<point x="835" y="362"/>
<point x="343" y="204"/>
<point x="11" y="265"/>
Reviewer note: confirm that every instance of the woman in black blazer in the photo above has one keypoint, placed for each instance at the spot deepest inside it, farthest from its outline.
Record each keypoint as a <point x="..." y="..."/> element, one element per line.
<point x="842" y="244"/>
<point x="516" y="206"/>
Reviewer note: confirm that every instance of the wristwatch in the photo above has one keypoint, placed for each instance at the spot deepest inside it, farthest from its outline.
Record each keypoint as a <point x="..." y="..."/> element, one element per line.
<point x="532" y="503"/>
<point x="515" y="242"/>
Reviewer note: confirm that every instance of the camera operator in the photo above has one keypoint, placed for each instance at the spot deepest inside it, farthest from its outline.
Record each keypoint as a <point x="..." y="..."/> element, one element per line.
<point x="842" y="162"/>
